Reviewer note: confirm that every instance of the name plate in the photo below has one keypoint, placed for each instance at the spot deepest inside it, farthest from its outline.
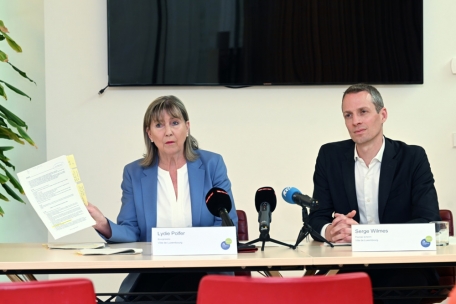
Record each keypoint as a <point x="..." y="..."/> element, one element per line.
<point x="393" y="237"/>
<point x="194" y="241"/>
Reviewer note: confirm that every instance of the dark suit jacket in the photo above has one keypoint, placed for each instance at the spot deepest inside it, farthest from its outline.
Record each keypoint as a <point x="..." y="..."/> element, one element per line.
<point x="406" y="186"/>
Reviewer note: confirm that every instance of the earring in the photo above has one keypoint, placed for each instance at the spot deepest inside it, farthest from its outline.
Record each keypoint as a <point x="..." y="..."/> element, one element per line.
<point x="187" y="134"/>
<point x="151" y="141"/>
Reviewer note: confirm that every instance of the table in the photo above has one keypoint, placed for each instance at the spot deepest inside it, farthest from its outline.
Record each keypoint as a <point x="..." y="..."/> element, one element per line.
<point x="343" y="257"/>
<point x="34" y="258"/>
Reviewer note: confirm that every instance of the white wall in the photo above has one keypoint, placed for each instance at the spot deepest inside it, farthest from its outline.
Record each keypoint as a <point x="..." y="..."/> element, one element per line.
<point x="267" y="135"/>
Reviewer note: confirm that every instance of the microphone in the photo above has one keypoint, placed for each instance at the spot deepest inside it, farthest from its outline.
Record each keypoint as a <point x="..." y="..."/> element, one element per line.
<point x="265" y="203"/>
<point x="294" y="196"/>
<point x="218" y="203"/>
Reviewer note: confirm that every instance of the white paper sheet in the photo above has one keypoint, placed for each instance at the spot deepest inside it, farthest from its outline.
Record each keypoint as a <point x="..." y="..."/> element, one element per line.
<point x="76" y="246"/>
<point x="108" y="251"/>
<point x="52" y="191"/>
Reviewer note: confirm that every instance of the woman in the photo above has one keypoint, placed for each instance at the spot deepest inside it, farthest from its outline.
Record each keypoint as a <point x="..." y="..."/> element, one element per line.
<point x="166" y="188"/>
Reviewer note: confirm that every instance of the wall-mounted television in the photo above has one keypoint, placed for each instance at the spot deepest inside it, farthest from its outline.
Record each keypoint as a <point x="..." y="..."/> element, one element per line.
<point x="264" y="42"/>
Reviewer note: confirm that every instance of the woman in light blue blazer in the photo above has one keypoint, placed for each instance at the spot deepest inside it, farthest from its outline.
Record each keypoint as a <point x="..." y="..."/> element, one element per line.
<point x="167" y="187"/>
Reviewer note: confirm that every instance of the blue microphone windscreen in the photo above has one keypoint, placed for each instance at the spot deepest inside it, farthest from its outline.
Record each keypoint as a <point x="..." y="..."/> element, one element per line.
<point x="287" y="194"/>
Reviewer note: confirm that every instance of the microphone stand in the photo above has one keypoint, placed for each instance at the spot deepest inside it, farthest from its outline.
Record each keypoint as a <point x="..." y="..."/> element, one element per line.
<point x="307" y="229"/>
<point x="264" y="237"/>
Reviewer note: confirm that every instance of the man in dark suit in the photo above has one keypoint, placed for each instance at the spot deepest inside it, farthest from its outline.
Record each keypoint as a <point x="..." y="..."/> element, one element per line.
<point x="372" y="179"/>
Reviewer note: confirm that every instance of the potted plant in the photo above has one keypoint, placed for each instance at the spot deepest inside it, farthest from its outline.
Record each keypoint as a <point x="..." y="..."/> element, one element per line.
<point x="11" y="126"/>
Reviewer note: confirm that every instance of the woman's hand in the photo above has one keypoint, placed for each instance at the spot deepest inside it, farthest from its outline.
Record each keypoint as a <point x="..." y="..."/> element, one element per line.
<point x="101" y="223"/>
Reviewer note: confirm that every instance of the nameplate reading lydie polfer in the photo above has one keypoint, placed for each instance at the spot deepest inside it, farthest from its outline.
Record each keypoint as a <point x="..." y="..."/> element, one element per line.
<point x="194" y="241"/>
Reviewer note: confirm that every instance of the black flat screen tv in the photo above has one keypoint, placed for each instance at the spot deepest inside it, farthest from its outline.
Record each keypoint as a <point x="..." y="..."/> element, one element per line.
<point x="264" y="42"/>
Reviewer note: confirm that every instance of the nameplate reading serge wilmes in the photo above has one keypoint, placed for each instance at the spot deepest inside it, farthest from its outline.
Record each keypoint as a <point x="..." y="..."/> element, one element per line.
<point x="393" y="237"/>
<point x="194" y="241"/>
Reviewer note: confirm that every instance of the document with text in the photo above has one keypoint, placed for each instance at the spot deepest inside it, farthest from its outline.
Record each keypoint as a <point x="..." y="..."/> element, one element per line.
<point x="55" y="191"/>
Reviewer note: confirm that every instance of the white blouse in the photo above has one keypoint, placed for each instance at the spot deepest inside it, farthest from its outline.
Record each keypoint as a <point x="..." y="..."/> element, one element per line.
<point x="172" y="212"/>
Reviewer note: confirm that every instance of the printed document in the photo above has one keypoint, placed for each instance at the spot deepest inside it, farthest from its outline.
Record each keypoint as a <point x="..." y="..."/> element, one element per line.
<point x="55" y="191"/>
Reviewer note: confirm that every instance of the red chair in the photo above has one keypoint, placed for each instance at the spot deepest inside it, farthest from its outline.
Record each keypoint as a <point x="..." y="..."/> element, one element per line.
<point x="447" y="215"/>
<point x="66" y="291"/>
<point x="243" y="235"/>
<point x="342" y="289"/>
<point x="447" y="275"/>
<point x="452" y="298"/>
<point x="243" y="228"/>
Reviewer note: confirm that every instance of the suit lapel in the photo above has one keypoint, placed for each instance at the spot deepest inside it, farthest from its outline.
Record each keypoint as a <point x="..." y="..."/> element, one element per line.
<point x="348" y="173"/>
<point x="196" y="181"/>
<point x="149" y="197"/>
<point x="386" y="177"/>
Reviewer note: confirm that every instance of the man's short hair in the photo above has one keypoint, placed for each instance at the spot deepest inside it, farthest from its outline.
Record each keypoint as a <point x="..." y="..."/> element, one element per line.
<point x="377" y="99"/>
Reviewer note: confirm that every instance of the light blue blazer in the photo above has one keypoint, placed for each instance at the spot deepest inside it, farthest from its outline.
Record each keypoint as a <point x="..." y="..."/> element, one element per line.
<point x="138" y="213"/>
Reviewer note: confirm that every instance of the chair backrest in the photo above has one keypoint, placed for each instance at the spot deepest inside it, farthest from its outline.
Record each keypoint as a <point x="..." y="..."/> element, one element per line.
<point x="243" y="228"/>
<point x="447" y="275"/>
<point x="447" y="215"/>
<point x="342" y="289"/>
<point x="452" y="299"/>
<point x="66" y="291"/>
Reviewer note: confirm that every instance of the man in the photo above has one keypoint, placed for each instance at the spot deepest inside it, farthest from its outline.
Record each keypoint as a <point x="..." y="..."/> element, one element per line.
<point x="372" y="179"/>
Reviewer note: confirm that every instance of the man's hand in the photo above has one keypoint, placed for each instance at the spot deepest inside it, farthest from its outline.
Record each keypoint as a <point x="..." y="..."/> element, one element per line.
<point x="339" y="231"/>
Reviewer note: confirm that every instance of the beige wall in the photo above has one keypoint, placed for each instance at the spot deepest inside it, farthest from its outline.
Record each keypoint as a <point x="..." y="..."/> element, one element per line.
<point x="267" y="135"/>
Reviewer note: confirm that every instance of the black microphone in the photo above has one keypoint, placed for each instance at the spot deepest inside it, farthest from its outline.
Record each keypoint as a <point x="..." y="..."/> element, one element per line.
<point x="294" y="196"/>
<point x="218" y="202"/>
<point x="265" y="203"/>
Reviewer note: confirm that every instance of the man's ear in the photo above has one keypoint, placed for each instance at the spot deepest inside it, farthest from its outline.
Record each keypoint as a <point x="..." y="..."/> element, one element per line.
<point x="384" y="114"/>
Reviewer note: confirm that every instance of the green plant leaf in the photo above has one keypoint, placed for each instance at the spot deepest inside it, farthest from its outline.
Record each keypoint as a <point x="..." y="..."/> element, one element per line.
<point x="3" y="178"/>
<point x="24" y="135"/>
<point x="12" y="193"/>
<point x="10" y="135"/>
<point x="16" y="90"/>
<point x="13" y="180"/>
<point x="2" y="121"/>
<point x="1" y="212"/>
<point x="3" y="197"/>
<point x="2" y="92"/>
<point x="3" y="56"/>
<point x="3" y="157"/>
<point x="12" y="43"/>
<point x="6" y="148"/>
<point x="3" y="28"/>
<point x="11" y="116"/>
<point x="23" y="74"/>
<point x="2" y="37"/>
<point x="8" y="164"/>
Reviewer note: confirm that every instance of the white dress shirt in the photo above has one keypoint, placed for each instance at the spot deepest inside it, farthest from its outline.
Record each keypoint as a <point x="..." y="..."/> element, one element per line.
<point x="172" y="212"/>
<point x="367" y="181"/>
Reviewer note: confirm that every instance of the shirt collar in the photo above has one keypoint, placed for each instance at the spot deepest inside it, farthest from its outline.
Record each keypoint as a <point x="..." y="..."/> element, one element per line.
<point x="379" y="155"/>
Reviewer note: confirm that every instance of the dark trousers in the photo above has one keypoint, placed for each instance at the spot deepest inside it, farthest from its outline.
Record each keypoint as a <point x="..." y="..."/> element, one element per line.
<point x="401" y="277"/>
<point x="168" y="282"/>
